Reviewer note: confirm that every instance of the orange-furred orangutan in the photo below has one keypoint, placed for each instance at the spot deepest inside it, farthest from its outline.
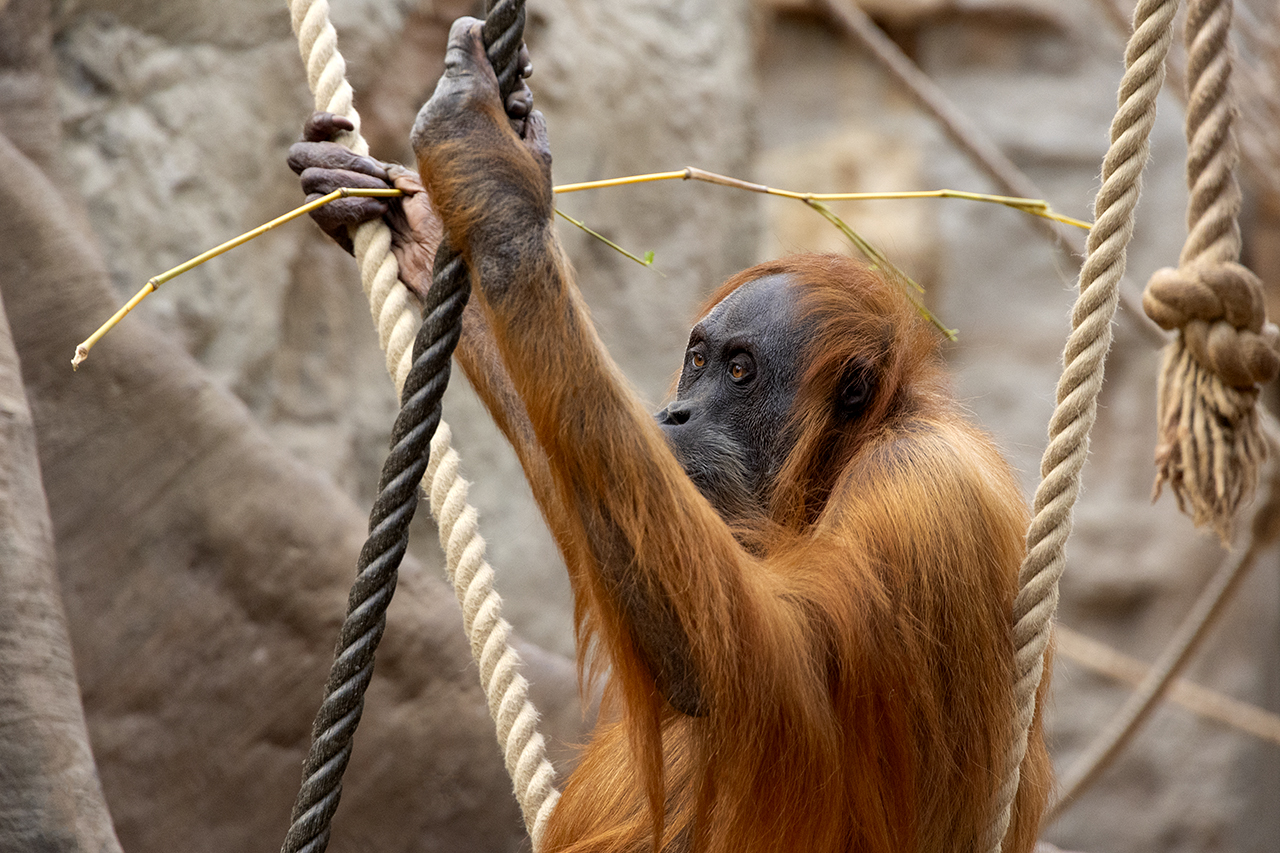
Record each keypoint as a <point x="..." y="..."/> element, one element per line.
<point x="798" y="577"/>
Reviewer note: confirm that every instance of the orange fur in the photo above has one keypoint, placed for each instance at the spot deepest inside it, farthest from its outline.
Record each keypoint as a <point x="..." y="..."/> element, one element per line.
<point x="860" y="666"/>
<point x="854" y="648"/>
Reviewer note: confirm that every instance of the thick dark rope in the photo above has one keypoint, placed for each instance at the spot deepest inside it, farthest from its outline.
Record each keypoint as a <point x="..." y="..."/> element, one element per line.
<point x="380" y="558"/>
<point x="376" y="570"/>
<point x="503" y="35"/>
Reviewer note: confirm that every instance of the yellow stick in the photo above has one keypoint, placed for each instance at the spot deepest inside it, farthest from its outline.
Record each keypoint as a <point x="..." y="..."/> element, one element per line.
<point x="1036" y="207"/>
<point x="618" y="182"/>
<point x="82" y="351"/>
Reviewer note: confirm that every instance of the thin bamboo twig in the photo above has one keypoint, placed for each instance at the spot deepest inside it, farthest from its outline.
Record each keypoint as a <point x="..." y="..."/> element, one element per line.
<point x="954" y="123"/>
<point x="646" y="261"/>
<point x="967" y="136"/>
<point x="910" y="288"/>
<point x="1035" y="207"/>
<point x="82" y="350"/>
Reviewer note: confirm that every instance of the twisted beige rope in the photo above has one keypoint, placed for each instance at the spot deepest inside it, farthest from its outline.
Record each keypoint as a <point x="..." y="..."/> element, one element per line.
<point x="397" y="317"/>
<point x="1210" y="441"/>
<point x="395" y="312"/>
<point x="523" y="748"/>
<point x="1082" y="375"/>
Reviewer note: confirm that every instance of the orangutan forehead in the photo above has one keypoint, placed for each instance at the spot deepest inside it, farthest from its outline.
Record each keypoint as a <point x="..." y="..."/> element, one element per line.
<point x="767" y="302"/>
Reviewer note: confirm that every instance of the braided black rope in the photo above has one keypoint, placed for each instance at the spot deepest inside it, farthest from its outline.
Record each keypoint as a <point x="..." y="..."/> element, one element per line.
<point x="376" y="570"/>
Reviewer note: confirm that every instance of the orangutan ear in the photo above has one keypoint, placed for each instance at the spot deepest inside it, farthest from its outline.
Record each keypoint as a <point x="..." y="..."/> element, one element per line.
<point x="857" y="388"/>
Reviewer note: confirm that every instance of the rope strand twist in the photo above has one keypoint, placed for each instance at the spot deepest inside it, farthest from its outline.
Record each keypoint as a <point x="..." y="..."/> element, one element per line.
<point x="376" y="572"/>
<point x="396" y="316"/>
<point x="1081" y="381"/>
<point x="1210" y="443"/>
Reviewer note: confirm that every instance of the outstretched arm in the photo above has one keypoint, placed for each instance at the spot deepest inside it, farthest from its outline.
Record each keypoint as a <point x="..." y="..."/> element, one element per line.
<point x="659" y="567"/>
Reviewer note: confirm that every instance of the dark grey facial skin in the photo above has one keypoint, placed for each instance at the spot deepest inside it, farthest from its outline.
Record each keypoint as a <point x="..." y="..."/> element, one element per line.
<point x="736" y="388"/>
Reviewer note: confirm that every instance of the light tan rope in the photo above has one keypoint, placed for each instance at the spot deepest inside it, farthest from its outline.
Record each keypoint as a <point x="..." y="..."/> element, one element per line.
<point x="1210" y="443"/>
<point x="397" y="317"/>
<point x="1082" y="375"/>
<point x="523" y="748"/>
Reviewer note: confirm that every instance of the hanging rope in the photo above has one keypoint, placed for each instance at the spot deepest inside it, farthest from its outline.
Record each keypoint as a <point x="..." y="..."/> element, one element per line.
<point x="1082" y="375"/>
<point x="395" y="310"/>
<point x="421" y="376"/>
<point x="1077" y="390"/>
<point x="376" y="570"/>
<point x="523" y="748"/>
<point x="1211" y="438"/>
<point x="1210" y="442"/>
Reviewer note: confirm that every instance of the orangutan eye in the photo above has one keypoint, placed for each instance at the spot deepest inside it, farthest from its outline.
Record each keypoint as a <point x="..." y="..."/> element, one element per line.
<point x="698" y="360"/>
<point x="742" y="368"/>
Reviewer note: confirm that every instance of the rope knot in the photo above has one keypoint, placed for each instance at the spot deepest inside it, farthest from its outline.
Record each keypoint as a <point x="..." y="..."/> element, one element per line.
<point x="1218" y="307"/>
<point x="1209" y="443"/>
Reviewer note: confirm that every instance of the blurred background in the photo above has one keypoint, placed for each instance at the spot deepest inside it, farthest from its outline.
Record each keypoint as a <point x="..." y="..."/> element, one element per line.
<point x="163" y="125"/>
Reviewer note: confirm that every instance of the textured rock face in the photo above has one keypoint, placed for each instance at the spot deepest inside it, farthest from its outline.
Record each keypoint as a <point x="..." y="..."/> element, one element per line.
<point x="50" y="795"/>
<point x="176" y="116"/>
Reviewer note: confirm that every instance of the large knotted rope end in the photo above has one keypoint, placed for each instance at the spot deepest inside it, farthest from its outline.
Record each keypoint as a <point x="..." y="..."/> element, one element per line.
<point x="1210" y="445"/>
